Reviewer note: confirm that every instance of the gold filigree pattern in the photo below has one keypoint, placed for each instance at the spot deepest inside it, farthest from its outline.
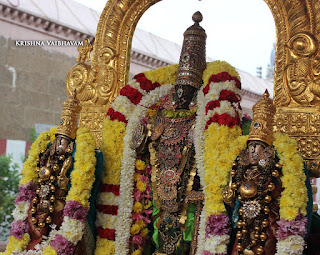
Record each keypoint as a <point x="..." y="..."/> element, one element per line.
<point x="303" y="124"/>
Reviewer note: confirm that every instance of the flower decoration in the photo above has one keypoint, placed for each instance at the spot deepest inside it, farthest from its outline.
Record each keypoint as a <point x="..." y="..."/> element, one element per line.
<point x="64" y="240"/>
<point x="294" y="198"/>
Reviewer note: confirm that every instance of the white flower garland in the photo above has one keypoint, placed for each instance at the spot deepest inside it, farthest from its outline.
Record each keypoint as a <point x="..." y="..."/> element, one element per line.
<point x="293" y="245"/>
<point x="107" y="198"/>
<point x="218" y="244"/>
<point x="106" y="220"/>
<point x="123" y="105"/>
<point x="128" y="167"/>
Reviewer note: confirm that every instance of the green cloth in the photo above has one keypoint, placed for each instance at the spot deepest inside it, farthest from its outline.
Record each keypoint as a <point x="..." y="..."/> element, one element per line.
<point x="91" y="217"/>
<point x="187" y="234"/>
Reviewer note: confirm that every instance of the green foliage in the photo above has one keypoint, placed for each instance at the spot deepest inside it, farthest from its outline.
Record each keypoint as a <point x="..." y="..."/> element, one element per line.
<point x="9" y="180"/>
<point x="33" y="135"/>
<point x="246" y="123"/>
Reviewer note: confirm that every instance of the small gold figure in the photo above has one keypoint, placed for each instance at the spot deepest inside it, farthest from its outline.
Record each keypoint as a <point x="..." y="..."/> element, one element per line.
<point x="84" y="51"/>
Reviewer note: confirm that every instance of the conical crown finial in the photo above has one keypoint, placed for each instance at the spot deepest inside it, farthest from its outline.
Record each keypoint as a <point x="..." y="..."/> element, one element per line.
<point x="193" y="55"/>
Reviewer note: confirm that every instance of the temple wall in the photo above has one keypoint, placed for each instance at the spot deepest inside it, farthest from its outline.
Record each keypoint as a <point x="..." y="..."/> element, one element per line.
<point x="32" y="87"/>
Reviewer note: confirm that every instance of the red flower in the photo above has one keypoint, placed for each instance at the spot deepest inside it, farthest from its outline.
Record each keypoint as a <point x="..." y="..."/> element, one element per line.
<point x="108" y="209"/>
<point x="115" y="189"/>
<point x="139" y="75"/>
<point x="229" y="96"/>
<point x="227" y="120"/>
<point x="206" y="89"/>
<point x="212" y="104"/>
<point x="145" y="84"/>
<point x="106" y="233"/>
<point x="133" y="94"/>
<point x="214" y="118"/>
<point x="223" y="119"/>
<point x="116" y="115"/>
<point x="110" y="112"/>
<point x="224" y="76"/>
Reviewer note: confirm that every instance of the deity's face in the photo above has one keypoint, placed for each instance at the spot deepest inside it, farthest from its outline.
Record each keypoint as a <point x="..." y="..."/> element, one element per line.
<point x="62" y="145"/>
<point x="184" y="96"/>
<point x="255" y="150"/>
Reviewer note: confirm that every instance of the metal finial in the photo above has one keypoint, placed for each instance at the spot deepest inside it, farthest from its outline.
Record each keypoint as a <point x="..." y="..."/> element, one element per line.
<point x="197" y="17"/>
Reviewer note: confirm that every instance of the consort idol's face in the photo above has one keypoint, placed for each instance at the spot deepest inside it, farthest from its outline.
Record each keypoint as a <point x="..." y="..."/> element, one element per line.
<point x="255" y="151"/>
<point x="62" y="145"/>
<point x="184" y="96"/>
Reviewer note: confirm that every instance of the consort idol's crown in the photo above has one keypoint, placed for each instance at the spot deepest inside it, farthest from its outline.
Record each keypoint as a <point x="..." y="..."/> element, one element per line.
<point x="68" y="124"/>
<point x="261" y="128"/>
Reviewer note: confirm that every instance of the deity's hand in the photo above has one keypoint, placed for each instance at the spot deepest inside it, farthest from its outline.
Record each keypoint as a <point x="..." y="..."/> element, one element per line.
<point x="228" y="196"/>
<point x="63" y="182"/>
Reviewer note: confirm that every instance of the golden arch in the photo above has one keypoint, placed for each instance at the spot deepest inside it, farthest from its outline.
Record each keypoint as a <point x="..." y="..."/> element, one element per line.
<point x="297" y="68"/>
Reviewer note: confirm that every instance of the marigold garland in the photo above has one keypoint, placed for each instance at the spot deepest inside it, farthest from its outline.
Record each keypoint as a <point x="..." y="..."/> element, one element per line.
<point x="228" y="144"/>
<point x="163" y="75"/>
<point x="16" y="244"/>
<point x="112" y="148"/>
<point x="27" y="173"/>
<point x="82" y="179"/>
<point x="294" y="197"/>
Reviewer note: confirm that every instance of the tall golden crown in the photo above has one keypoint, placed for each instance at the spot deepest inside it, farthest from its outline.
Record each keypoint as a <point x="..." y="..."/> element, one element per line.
<point x="261" y="128"/>
<point x="193" y="55"/>
<point x="68" y="124"/>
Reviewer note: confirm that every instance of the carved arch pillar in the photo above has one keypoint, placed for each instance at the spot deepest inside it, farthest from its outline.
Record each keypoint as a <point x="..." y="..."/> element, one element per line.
<point x="297" y="80"/>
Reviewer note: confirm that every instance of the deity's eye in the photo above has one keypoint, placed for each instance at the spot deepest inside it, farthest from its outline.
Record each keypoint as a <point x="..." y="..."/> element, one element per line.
<point x="251" y="148"/>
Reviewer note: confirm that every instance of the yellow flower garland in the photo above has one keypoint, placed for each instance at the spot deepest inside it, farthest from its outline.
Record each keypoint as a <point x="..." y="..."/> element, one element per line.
<point x="16" y="244"/>
<point x="104" y="246"/>
<point x="28" y="172"/>
<point x="82" y="176"/>
<point x="112" y="147"/>
<point x="163" y="75"/>
<point x="49" y="251"/>
<point x="227" y="143"/>
<point x="294" y="197"/>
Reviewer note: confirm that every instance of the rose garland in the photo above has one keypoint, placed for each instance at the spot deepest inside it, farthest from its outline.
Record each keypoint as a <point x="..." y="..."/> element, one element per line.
<point x="217" y="126"/>
<point x="112" y="147"/>
<point x="76" y="209"/>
